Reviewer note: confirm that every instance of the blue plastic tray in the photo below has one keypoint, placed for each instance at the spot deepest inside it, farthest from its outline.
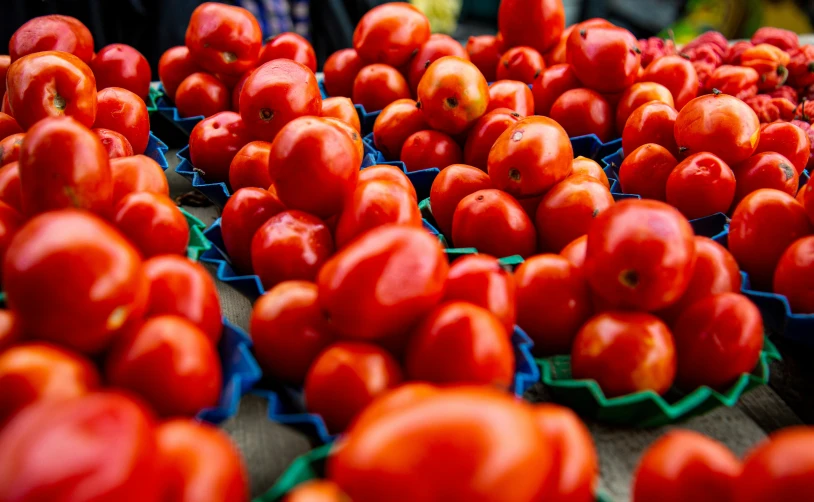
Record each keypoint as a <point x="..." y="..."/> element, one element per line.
<point x="157" y="150"/>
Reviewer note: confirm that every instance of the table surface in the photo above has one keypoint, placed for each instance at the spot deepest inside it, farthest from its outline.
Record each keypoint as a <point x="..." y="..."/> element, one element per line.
<point x="269" y="448"/>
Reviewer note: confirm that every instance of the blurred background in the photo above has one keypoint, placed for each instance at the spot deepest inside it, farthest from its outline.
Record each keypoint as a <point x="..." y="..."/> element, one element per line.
<point x="152" y="26"/>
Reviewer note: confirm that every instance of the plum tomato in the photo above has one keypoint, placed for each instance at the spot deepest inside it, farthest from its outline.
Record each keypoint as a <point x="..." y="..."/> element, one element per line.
<point x="436" y="47"/>
<point x="116" y="145"/>
<point x="550" y="85"/>
<point x="637" y="95"/>
<point x="316" y="490"/>
<point x="513" y="95"/>
<point x="553" y="281"/>
<point x="582" y="166"/>
<point x="686" y="465"/>
<point x="363" y="289"/>
<point x="575" y="251"/>
<point x="387" y="172"/>
<point x="289" y="45"/>
<point x="244" y="213"/>
<point x="530" y="157"/>
<point x="10" y="148"/>
<point x="10" y="222"/>
<point x="484" y="133"/>
<point x="120" y="65"/>
<point x="214" y="142"/>
<point x="786" y="139"/>
<point x="314" y="166"/>
<point x="764" y="224"/>
<point x="378" y="85"/>
<point x="494" y="223"/>
<point x="568" y="210"/>
<point x="250" y="166"/>
<point x="224" y="39"/>
<point x="8" y="125"/>
<point x="453" y="95"/>
<point x="10" y="332"/>
<point x="138" y="173"/>
<point x="701" y="185"/>
<point x="765" y="170"/>
<point x="640" y="254"/>
<point x="397" y="122"/>
<point x="124" y="112"/>
<point x="10" y="186"/>
<point x="652" y="122"/>
<point x="793" y="275"/>
<point x="427" y="149"/>
<point x="345" y="378"/>
<point x="340" y="71"/>
<point x="450" y="186"/>
<point x="353" y="134"/>
<point x="581" y="112"/>
<point x="373" y="204"/>
<point x="343" y="110"/>
<point x="52" y="33"/>
<point x="779" y="468"/>
<point x="170" y="363"/>
<point x="481" y="280"/>
<point x="482" y="51"/>
<point x="390" y="34"/>
<point x="175" y="65"/>
<point x="605" y="58"/>
<point x="201" y="95"/>
<point x="538" y="23"/>
<point x="522" y="64"/>
<point x="153" y="223"/>
<point x="678" y="75"/>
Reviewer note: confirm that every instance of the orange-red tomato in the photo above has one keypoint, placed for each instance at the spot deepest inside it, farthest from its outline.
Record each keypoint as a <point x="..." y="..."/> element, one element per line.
<point x="738" y="81"/>
<point x="10" y="332"/>
<point x="153" y="223"/>
<point x="805" y="196"/>
<point x="575" y="251"/>
<point x="605" y="58"/>
<point x="452" y="94"/>
<point x="494" y="223"/>
<point x="582" y="112"/>
<point x="52" y="33"/>
<point x="511" y="94"/>
<point x="387" y="172"/>
<point x="652" y="122"/>
<point x="224" y="39"/>
<point x="677" y="74"/>
<point x="701" y="185"/>
<point x="786" y="139"/>
<point x="250" y="166"/>
<point x="10" y="148"/>
<point x="568" y="210"/>
<point x="10" y="222"/>
<point x="582" y="166"/>
<point x="765" y="170"/>
<point x="6" y="107"/>
<point x="779" y="468"/>
<point x="316" y="490"/>
<point x="291" y="46"/>
<point x="340" y="70"/>
<point x="120" y="65"/>
<point x="116" y="145"/>
<point x="174" y="67"/>
<point x="376" y="203"/>
<point x="10" y="186"/>
<point x="390" y="34"/>
<point x="201" y="94"/>
<point x="537" y="23"/>
<point x="485" y="132"/>
<point x="483" y="52"/>
<point x="481" y="280"/>
<point x="427" y="149"/>
<point x="378" y="85"/>
<point x="450" y="186"/>
<point x="8" y="125"/>
<point x="245" y="212"/>
<point x="125" y="113"/>
<point x="138" y="173"/>
<point x="550" y="85"/>
<point x="353" y="134"/>
<point x="557" y="55"/>
<point x="436" y="47"/>
<point x="522" y="64"/>
<point x="398" y="121"/>
<point x="341" y="109"/>
<point x="637" y="95"/>
<point x="793" y="275"/>
<point x="215" y="141"/>
<point x="237" y="90"/>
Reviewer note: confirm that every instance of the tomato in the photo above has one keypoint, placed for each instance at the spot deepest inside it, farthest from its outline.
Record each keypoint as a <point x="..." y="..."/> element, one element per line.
<point x="807" y="200"/>
<point x="582" y="166"/>
<point x="484" y="133"/>
<point x="786" y="139"/>
<point x="366" y="295"/>
<point x="345" y="378"/>
<point x="215" y="141"/>
<point x="568" y="210"/>
<point x="223" y="38"/>
<point x="116" y="145"/>
<point x="277" y="93"/>
<point x="450" y="186"/>
<point x="201" y="94"/>
<point x="513" y="95"/>
<point x="353" y="134"/>
<point x="340" y="71"/>
<point x="153" y="223"/>
<point x="378" y="85"/>
<point x="453" y="95"/>
<point x="138" y="173"/>
<point x="574" y="252"/>
<point x="427" y="149"/>
<point x="35" y="372"/>
<point x="550" y="85"/>
<point x="557" y="55"/>
<point x="10" y="148"/>
<point x="536" y="23"/>
<point x="6" y="107"/>
<point x="124" y="112"/>
<point x="183" y="288"/>
<point x="313" y="166"/>
<point x="765" y="170"/>
<point x="51" y="84"/>
<point x="175" y="65"/>
<point x="653" y="122"/>
<point x="376" y="203"/>
<point x="387" y="172"/>
<point x="52" y="33"/>
<point x="237" y="90"/>
<point x="779" y="468"/>
<point x="523" y="64"/>
<point x="111" y="443"/>
<point x="8" y="125"/>
<point x="604" y="58"/>
<point x="701" y="185"/>
<point x="436" y="47"/>
<point x="249" y="167"/>
<point x="342" y="109"/>
<point x="483" y="52"/>
<point x="10" y="222"/>
<point x="765" y="223"/>
<point x="481" y="280"/>
<point x="530" y="157"/>
<point x="630" y="264"/>
<point x="244" y="213"/>
<point x="678" y="75"/>
<point x="637" y="95"/>
<point x="397" y="121"/>
<point x="200" y="463"/>
<point x="738" y="81"/>
<point x="685" y="465"/>
<point x="120" y="65"/>
<point x="792" y="277"/>
<point x="434" y="430"/>
<point x="316" y="490"/>
<point x="582" y="112"/>
<point x="494" y="223"/>
<point x="390" y="34"/>
<point x="10" y="186"/>
<point x="5" y="62"/>
<point x="292" y="46"/>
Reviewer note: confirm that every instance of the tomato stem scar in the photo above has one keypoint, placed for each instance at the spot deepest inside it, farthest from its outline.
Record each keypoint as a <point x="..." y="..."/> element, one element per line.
<point x="629" y="278"/>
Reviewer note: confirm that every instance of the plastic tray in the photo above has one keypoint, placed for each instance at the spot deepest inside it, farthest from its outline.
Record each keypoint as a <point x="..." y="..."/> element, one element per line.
<point x="198" y="243"/>
<point x="157" y="150"/>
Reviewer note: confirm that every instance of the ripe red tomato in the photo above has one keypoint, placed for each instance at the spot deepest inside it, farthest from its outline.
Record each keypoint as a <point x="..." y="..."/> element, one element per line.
<point x="763" y="226"/>
<point x="568" y="210"/>
<point x="10" y="332"/>
<point x="390" y="34"/>
<point x="481" y="280"/>
<point x="52" y="33"/>
<point x="482" y="51"/>
<point x="10" y="222"/>
<point x="343" y="110"/>
<point x="427" y="149"/>
<point x="805" y="197"/>
<point x="378" y="85"/>
<point x="550" y="85"/>
<point x="10" y="148"/>
<point x="5" y="62"/>
<point x="557" y="55"/>
<point x="453" y="95"/>
<point x="292" y="46"/>
<point x="111" y="442"/>
<point x="223" y="38"/>
<point x="6" y="107"/>
<point x="124" y="112"/>
<point x="605" y="58"/>
<point x="677" y="74"/>
<point x="138" y="173"/>
<point x="738" y="81"/>
<point x="277" y="93"/>
<point x="494" y="223"/>
<point x="530" y="157"/>
<point x="8" y="125"/>
<point x="536" y="23"/>
<point x="523" y="64"/>
<point x="511" y="94"/>
<point x="201" y="94"/>
<point x="387" y="172"/>
<point x="582" y="166"/>
<point x="36" y="372"/>
<point x="630" y="264"/>
<point x="786" y="139"/>
<point x="215" y="141"/>
<point x="397" y="121"/>
<point x="637" y="95"/>
<point x="200" y="462"/>
<point x="345" y="378"/>
<point x="765" y="170"/>
<point x="174" y="67"/>
<point x="793" y="275"/>
<point x="340" y="71"/>
<point x="249" y="167"/>
<point x="575" y="251"/>
<point x="685" y="465"/>
<point x="373" y="204"/>
<point x="237" y="90"/>
<point x="120" y="65"/>
<point x="10" y="192"/>
<point x="314" y="166"/>
<point x="153" y="223"/>
<point x="116" y="145"/>
<point x="450" y="186"/>
<point x="582" y="112"/>
<point x="701" y="185"/>
<point x="181" y="362"/>
<point x="51" y="84"/>
<point x="366" y="295"/>
<point x="245" y="212"/>
<point x="316" y="490"/>
<point x="779" y="468"/>
<point x="652" y="122"/>
<point x="436" y="47"/>
<point x="485" y="133"/>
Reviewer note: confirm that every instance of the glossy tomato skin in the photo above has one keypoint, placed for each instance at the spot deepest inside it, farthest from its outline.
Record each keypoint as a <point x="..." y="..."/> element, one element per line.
<point x="292" y="46"/>
<point x="52" y="33"/>
<point x="676" y="74"/>
<point x="530" y="157"/>
<point x="352" y="133"/>
<point x="10" y="148"/>
<point x="513" y="95"/>
<point x="551" y="84"/>
<point x="364" y="281"/>
<point x="215" y="141"/>
<point x="138" y="173"/>
<point x="522" y="64"/>
<point x="483" y="52"/>
<point x="10" y="332"/>
<point x="249" y="167"/>
<point x="583" y="166"/>
<point x="340" y="71"/>
<point x="345" y="378"/>
<point x="10" y="222"/>
<point x="388" y="172"/>
<point x="223" y="38"/>
<point x="316" y="490"/>
<point x="786" y="139"/>
<point x="113" y="461"/>
<point x="378" y="85"/>
<point x="436" y="47"/>
<point x="536" y="23"/>
<point x="637" y="95"/>
<point x="376" y="203"/>
<point x="51" y="84"/>
<point x="427" y="149"/>
<point x="793" y="275"/>
<point x="116" y="145"/>
<point x="153" y="223"/>
<point x="120" y="65"/>
<point x="574" y="252"/>
<point x="453" y="95"/>
<point x="685" y="465"/>
<point x="390" y="34"/>
<point x="10" y="186"/>
<point x="645" y="171"/>
<point x="701" y="185"/>
<point x="604" y="58"/>
<point x="763" y="226"/>
<point x="175" y="65"/>
<point x="765" y="170"/>
<point x="245" y="212"/>
<point x="632" y="266"/>
<point x="779" y="468"/>
<point x="651" y="123"/>
<point x="494" y="223"/>
<point x="8" y="125"/>
<point x="342" y="109"/>
<point x="201" y="94"/>
<point x="583" y="111"/>
<point x="6" y="107"/>
<point x="125" y="113"/>
<point x="481" y="280"/>
<point x="5" y="62"/>
<point x="397" y="122"/>
<point x="484" y="133"/>
<point x="450" y="186"/>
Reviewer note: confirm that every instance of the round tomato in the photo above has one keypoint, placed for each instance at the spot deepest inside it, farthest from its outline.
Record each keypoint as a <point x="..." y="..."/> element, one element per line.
<point x="223" y="38"/>
<point x="451" y="185"/>
<point x="397" y="121"/>
<point x="779" y="468"/>
<point x="484" y="133"/>
<point x="388" y="172"/>
<point x="522" y="64"/>
<point x="175" y="65"/>
<point x="805" y="196"/>
<point x="340" y="71"/>
<point x="316" y="490"/>
<point x="120" y="65"/>
<point x="677" y="74"/>
<point x="292" y="46"/>
<point x="52" y="33"/>
<point x="8" y="125"/>
<point x="701" y="185"/>
<point x="482" y="51"/>
<point x="453" y="95"/>
<point x="605" y="58"/>
<point x="201" y="95"/>
<point x="652" y="122"/>
<point x="582" y="112"/>
<point x="378" y="85"/>
<point x="765" y="170"/>
<point x="237" y="90"/>
<point x="550" y="85"/>
<point x="481" y="280"/>
<point x="125" y="113"/>
<point x="582" y="166"/>
<point x="436" y="47"/>
<point x="244" y="213"/>
<point x="343" y="110"/>
<point x="10" y="186"/>
<point x="557" y="55"/>
<point x="786" y="139"/>
<point x="738" y="81"/>
<point x="536" y="23"/>
<point x="138" y="173"/>
<point x="250" y="166"/>
<point x="153" y="223"/>
<point x="511" y="94"/>
<point x="575" y="251"/>
<point x="637" y="95"/>
<point x="10" y="148"/>
<point x="214" y="142"/>
<point x="427" y="149"/>
<point x="10" y="332"/>
<point x="793" y="275"/>
<point x="116" y="145"/>
<point x="376" y="203"/>
<point x="391" y="34"/>
<point x="6" y="107"/>
<point x="353" y="134"/>
<point x="494" y="223"/>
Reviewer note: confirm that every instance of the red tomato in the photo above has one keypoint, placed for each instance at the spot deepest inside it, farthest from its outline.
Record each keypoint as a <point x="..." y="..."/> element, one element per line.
<point x="6" y="108"/>
<point x="557" y="55"/>
<point x="51" y="84"/>
<point x="701" y="185"/>
<point x="201" y="94"/>
<point x="10" y="333"/>
<point x="116" y="145"/>
<point x="652" y="122"/>
<point x="582" y="166"/>
<point x="249" y="167"/>
<point x="523" y="64"/>
<point x="378" y="85"/>
<point x="786" y="139"/>
<point x="582" y="112"/>
<point x="575" y="251"/>
<point x="111" y="443"/>
<point x="568" y="210"/>
<point x="779" y="468"/>
<point x="390" y="34"/>
<point x="366" y="295"/>
<point x="120" y="65"/>
<point x="10" y="186"/>
<point x="453" y="95"/>
<point x="427" y="149"/>
<point x="183" y="288"/>
<point x="397" y="121"/>
<point x="174" y="67"/>
<point x="313" y="166"/>
<point x="277" y="93"/>
<point x="685" y="465"/>
<point x="630" y="264"/>
<point x="223" y="38"/>
<point x="10" y="222"/>
<point x="200" y="463"/>
<point x="793" y="275"/>
<point x="763" y="226"/>
<point x="316" y="490"/>
<point x="153" y="223"/>
<point x="605" y="58"/>
<point x="550" y="85"/>
<point x="485" y="133"/>
<point x="481" y="280"/>
<point x="52" y="33"/>
<point x="676" y="74"/>
<point x="436" y="47"/>
<point x="353" y="134"/>
<point x="738" y="81"/>
<point x="387" y="172"/>
<point x="36" y="372"/>
<point x="63" y="164"/>
<point x="10" y="148"/>
<point x="511" y="94"/>
<point x="536" y="23"/>
<point x="343" y="110"/>
<point x="237" y="90"/>
<point x="215" y="141"/>
<point x="451" y="185"/>
<point x="637" y="95"/>
<point x="376" y="203"/>
<point x="125" y="113"/>
<point x="181" y="366"/>
<point x="5" y="62"/>
<point x="530" y="157"/>
<point x="245" y="212"/>
<point x="138" y="173"/>
<point x="292" y="46"/>
<point x="345" y="378"/>
<point x="8" y="125"/>
<point x="807" y="200"/>
<point x="340" y="71"/>
<point x="765" y="170"/>
<point x="494" y="223"/>
<point x="482" y="51"/>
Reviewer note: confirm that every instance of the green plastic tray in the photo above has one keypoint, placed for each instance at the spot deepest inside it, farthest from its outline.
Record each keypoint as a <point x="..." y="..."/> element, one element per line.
<point x="154" y="94"/>
<point x="197" y="242"/>
<point x="646" y="409"/>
